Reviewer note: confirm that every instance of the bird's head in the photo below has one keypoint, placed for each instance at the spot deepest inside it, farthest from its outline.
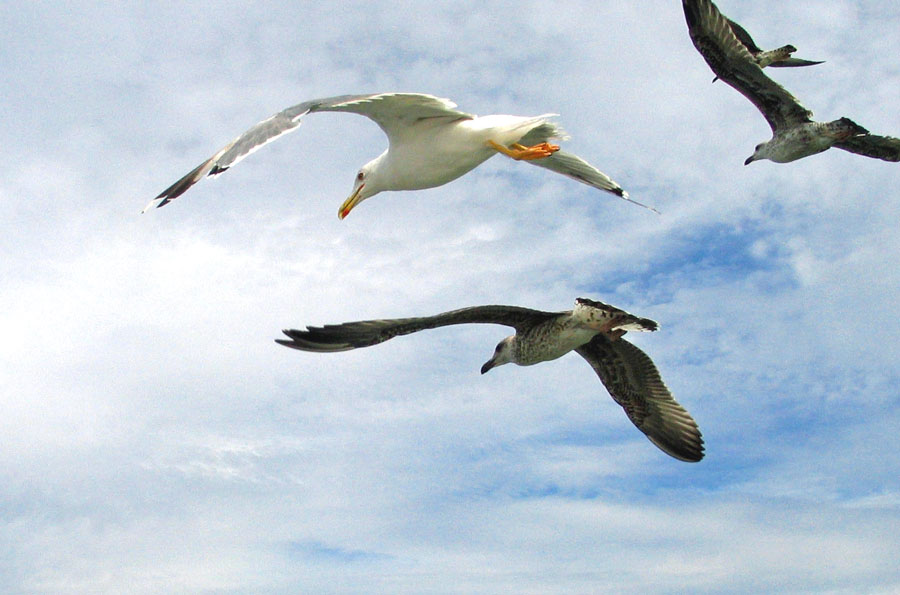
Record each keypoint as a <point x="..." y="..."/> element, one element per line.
<point x="503" y="354"/>
<point x="365" y="185"/>
<point x="758" y="153"/>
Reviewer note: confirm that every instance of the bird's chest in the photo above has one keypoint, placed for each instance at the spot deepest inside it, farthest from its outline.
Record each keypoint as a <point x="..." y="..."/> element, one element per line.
<point x="548" y="342"/>
<point x="800" y="142"/>
<point x="432" y="155"/>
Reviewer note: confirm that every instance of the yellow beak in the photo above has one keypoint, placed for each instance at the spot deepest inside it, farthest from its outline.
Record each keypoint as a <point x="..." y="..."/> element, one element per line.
<point x="351" y="202"/>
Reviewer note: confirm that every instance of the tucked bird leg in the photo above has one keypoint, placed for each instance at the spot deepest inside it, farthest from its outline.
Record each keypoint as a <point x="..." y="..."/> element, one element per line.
<point x="617" y="334"/>
<point x="607" y="328"/>
<point x="520" y="152"/>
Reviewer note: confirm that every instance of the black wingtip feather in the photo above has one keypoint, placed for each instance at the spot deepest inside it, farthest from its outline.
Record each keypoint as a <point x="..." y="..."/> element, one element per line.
<point x="691" y="13"/>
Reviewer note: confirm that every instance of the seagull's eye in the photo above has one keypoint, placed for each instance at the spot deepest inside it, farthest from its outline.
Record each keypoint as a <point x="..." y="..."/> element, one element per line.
<point x="360" y="176"/>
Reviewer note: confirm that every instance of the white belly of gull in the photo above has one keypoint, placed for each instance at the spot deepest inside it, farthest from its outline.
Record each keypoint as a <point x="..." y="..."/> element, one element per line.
<point x="432" y="152"/>
<point x="433" y="156"/>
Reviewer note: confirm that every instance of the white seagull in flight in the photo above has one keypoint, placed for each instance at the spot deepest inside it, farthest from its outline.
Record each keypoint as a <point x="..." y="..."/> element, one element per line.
<point x="593" y="329"/>
<point x="794" y="133"/>
<point x="429" y="144"/>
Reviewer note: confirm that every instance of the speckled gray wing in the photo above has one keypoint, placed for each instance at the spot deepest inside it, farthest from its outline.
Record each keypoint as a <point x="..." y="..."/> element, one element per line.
<point x="731" y="61"/>
<point x="352" y="335"/>
<point x="872" y="145"/>
<point x="634" y="383"/>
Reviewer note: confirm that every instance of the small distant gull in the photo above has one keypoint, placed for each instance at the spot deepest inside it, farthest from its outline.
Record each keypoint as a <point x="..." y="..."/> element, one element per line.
<point x="780" y="57"/>
<point x="794" y="133"/>
<point x="429" y="144"/>
<point x="593" y="329"/>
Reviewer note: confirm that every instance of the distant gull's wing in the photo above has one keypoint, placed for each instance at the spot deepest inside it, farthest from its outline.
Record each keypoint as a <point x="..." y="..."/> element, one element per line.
<point x="731" y="61"/>
<point x="872" y="145"/>
<point x="391" y="111"/>
<point x="634" y="383"/>
<point x="793" y="62"/>
<point x="744" y="37"/>
<point x="574" y="167"/>
<point x="754" y="49"/>
<point x="352" y="335"/>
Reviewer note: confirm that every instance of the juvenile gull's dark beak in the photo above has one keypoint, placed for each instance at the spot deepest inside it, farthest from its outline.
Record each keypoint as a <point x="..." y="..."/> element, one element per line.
<point x="487" y="365"/>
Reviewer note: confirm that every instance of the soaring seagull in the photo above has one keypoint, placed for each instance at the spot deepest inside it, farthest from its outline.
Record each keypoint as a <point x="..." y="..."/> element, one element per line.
<point x="794" y="133"/>
<point x="429" y="144"/>
<point x="593" y="329"/>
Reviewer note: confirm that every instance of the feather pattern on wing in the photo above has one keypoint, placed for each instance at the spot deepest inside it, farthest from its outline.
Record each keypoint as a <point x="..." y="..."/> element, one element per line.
<point x="731" y="61"/>
<point x="634" y="383"/>
<point x="391" y="111"/>
<point x="351" y="335"/>
<point x="886" y="148"/>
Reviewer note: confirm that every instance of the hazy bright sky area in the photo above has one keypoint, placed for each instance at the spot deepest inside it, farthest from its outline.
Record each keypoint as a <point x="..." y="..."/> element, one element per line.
<point x="154" y="438"/>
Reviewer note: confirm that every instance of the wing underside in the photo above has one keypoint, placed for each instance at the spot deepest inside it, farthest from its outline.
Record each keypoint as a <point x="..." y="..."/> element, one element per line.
<point x="352" y="335"/>
<point x="391" y="111"/>
<point x="731" y="61"/>
<point x="634" y="383"/>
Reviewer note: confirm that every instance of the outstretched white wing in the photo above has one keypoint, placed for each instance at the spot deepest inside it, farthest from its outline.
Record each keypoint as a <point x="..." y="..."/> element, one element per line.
<point x="391" y="111"/>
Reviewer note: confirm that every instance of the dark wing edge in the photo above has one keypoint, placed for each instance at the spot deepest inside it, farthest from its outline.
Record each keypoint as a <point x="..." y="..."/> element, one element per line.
<point x="754" y="49"/>
<point x="634" y="383"/>
<point x="731" y="61"/>
<point x="744" y="37"/>
<point x="253" y="139"/>
<point x="574" y="167"/>
<point x="364" y="333"/>
<point x="886" y="148"/>
<point x="794" y="63"/>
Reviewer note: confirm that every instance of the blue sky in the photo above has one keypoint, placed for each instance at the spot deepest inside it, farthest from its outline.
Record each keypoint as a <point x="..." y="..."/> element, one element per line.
<point x="156" y="439"/>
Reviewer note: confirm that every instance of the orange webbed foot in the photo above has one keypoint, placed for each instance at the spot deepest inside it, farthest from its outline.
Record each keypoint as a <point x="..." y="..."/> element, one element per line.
<point x="523" y="153"/>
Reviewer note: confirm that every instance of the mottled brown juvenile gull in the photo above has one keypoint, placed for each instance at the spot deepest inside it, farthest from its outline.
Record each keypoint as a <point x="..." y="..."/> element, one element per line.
<point x="429" y="144"/>
<point x="593" y="329"/>
<point x="794" y="134"/>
